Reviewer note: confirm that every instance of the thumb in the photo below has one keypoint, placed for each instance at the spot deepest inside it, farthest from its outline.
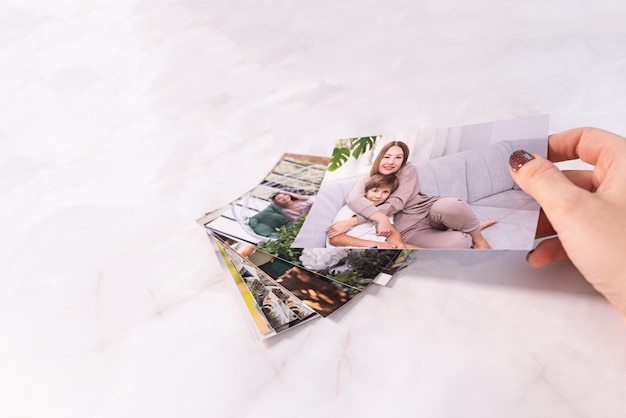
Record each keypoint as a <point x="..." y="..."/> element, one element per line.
<point x="542" y="180"/>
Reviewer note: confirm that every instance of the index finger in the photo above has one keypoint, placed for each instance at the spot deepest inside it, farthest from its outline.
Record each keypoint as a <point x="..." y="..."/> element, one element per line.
<point x="584" y="143"/>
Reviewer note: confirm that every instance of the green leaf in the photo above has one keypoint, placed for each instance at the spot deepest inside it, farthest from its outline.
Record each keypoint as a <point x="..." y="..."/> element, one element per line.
<point x="339" y="157"/>
<point x="281" y="246"/>
<point x="360" y="146"/>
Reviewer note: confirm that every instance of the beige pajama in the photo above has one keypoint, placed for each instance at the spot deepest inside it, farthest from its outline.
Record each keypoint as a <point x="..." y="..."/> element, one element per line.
<point x="447" y="225"/>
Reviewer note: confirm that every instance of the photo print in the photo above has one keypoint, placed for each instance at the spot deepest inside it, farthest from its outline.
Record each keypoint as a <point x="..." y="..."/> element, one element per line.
<point x="257" y="323"/>
<point x="277" y="206"/>
<point x="454" y="191"/>
<point x="271" y="307"/>
<point x="320" y="292"/>
<point x="266" y="221"/>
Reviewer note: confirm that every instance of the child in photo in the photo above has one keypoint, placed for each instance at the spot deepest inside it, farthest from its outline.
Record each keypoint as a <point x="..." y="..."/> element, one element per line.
<point x="377" y="190"/>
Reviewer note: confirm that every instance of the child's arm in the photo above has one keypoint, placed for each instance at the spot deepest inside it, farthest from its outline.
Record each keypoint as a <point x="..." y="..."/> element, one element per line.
<point x="344" y="240"/>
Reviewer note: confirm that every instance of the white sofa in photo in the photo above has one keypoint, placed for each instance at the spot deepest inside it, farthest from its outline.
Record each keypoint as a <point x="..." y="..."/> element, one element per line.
<point x="480" y="176"/>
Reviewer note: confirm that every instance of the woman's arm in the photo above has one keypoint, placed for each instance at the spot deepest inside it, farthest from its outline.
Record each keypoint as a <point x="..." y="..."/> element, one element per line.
<point x="383" y="226"/>
<point x="299" y="196"/>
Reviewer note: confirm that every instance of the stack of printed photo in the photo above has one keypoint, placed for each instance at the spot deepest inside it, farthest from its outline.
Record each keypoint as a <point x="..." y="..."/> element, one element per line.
<point x="317" y="231"/>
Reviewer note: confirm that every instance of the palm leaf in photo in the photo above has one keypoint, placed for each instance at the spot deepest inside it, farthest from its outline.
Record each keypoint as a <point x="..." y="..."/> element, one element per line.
<point x="361" y="145"/>
<point x="338" y="158"/>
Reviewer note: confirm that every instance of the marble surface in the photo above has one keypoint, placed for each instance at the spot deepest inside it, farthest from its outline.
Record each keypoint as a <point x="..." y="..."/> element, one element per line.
<point x="122" y="122"/>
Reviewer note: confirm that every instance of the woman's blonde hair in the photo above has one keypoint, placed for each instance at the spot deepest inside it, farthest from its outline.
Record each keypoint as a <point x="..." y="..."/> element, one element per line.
<point x="383" y="151"/>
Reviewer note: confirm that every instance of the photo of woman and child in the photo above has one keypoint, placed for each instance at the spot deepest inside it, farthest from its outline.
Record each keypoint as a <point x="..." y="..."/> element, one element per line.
<point x="387" y="209"/>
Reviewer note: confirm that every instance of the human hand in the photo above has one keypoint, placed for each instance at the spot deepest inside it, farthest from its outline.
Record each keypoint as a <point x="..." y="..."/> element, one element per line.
<point x="385" y="245"/>
<point x="384" y="228"/>
<point x="586" y="209"/>
<point x="341" y="227"/>
<point x="395" y="242"/>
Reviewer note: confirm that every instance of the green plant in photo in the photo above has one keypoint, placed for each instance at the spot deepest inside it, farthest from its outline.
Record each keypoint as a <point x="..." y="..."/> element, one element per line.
<point x="368" y="263"/>
<point x="364" y="266"/>
<point x="354" y="147"/>
<point x="339" y="157"/>
<point x="281" y="246"/>
<point x="360" y="146"/>
<point x="351" y="278"/>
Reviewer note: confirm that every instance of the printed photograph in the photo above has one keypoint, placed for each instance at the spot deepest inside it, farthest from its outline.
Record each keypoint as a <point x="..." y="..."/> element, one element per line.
<point x="319" y="293"/>
<point x="269" y="218"/>
<point x="257" y="323"/>
<point x="443" y="189"/>
<point x="282" y="309"/>
<point x="271" y="308"/>
<point x="277" y="206"/>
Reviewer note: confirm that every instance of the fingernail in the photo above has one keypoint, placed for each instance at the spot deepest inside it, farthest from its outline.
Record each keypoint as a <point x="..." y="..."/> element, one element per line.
<point x="519" y="158"/>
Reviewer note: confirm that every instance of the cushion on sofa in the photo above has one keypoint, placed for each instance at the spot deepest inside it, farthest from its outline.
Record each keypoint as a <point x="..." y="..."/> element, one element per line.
<point x="487" y="171"/>
<point x="444" y="176"/>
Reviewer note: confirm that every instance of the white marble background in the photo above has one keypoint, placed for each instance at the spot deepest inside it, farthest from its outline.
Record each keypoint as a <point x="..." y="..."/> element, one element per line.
<point x="121" y="122"/>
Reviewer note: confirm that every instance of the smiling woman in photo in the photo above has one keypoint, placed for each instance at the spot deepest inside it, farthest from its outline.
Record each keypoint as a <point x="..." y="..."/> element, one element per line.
<point x="292" y="205"/>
